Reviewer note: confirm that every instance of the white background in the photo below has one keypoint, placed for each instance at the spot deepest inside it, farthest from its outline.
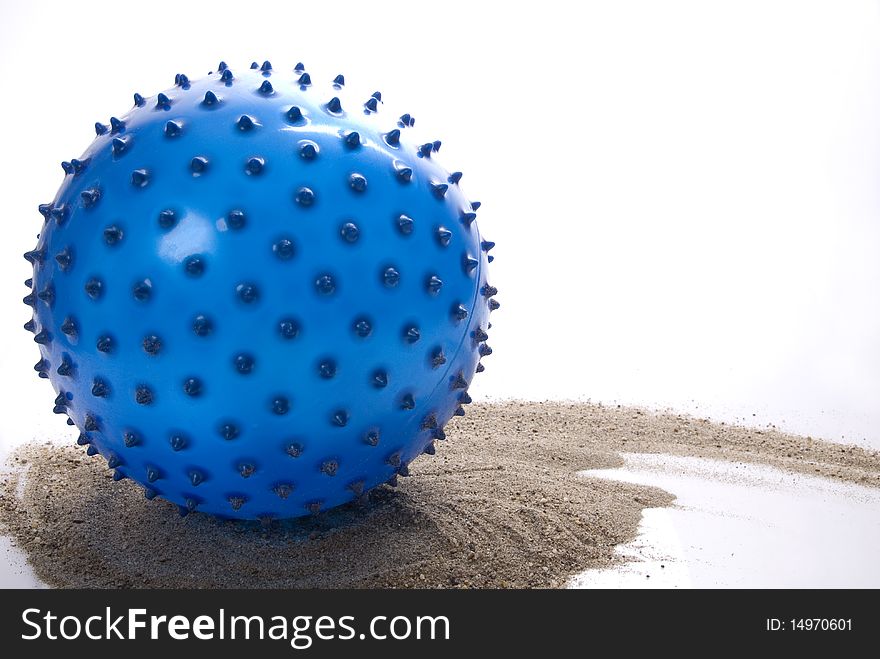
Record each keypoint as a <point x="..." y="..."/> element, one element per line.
<point x="684" y="194"/>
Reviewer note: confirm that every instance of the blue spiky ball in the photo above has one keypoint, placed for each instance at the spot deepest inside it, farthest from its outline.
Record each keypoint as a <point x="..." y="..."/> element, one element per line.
<point x="257" y="296"/>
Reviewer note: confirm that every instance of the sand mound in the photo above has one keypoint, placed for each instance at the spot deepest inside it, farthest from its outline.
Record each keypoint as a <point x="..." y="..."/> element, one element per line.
<point x="500" y="505"/>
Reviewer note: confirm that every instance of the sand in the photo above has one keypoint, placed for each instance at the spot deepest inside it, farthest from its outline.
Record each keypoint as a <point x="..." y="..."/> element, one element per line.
<point x="500" y="505"/>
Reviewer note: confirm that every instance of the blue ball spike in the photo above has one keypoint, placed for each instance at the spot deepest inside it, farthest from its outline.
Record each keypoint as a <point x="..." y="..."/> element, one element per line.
<point x="42" y="368"/>
<point x="47" y="295"/>
<point x="294" y="114"/>
<point x="104" y="344"/>
<point x="353" y="140"/>
<point x="119" y="146"/>
<point x="405" y="225"/>
<point x="79" y="166"/>
<point x="308" y="150"/>
<point x="68" y="327"/>
<point x="444" y="236"/>
<point x="245" y="122"/>
<point x="173" y="128"/>
<point x="255" y="166"/>
<point x="43" y="337"/>
<point x="140" y="178"/>
<point x="439" y="189"/>
<point x="35" y="256"/>
<point x="404" y="172"/>
<point x="64" y="258"/>
<point x="243" y="290"/>
<point x="59" y="214"/>
<point x="335" y="105"/>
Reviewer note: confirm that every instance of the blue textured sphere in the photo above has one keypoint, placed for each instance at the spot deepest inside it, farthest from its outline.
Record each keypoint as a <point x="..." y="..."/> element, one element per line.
<point x="258" y="297"/>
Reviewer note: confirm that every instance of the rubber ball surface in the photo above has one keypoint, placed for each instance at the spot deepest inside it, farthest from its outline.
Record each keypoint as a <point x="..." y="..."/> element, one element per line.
<point x="257" y="296"/>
